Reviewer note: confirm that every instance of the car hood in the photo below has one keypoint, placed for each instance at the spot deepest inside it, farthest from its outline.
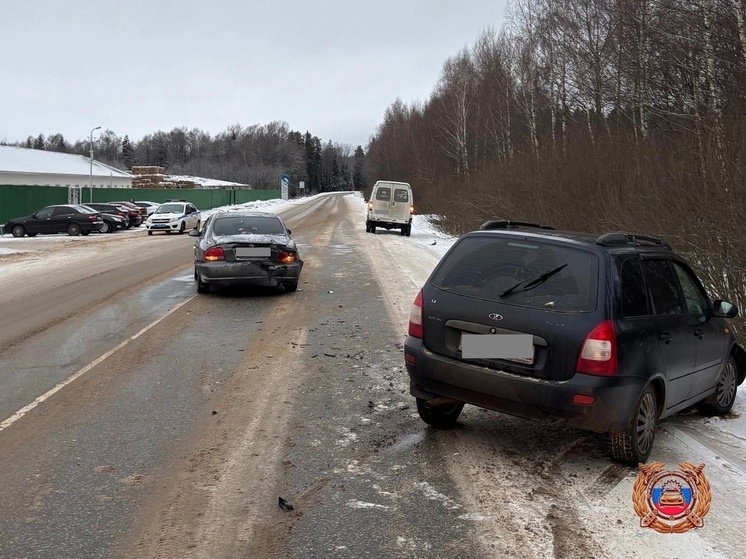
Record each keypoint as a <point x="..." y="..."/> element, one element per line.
<point x="167" y="216"/>
<point x="258" y="239"/>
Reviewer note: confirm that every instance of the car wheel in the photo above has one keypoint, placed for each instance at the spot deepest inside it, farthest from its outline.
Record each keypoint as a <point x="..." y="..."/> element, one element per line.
<point x="32" y="234"/>
<point x="150" y="232"/>
<point x="373" y="229"/>
<point x="202" y="287"/>
<point x="439" y="416"/>
<point x="722" y="401"/>
<point x="18" y="231"/>
<point x="106" y="227"/>
<point x="182" y="227"/>
<point x="73" y="229"/>
<point x="367" y="227"/>
<point x="291" y="286"/>
<point x="84" y="233"/>
<point x="403" y="231"/>
<point x="633" y="445"/>
<point x="409" y="230"/>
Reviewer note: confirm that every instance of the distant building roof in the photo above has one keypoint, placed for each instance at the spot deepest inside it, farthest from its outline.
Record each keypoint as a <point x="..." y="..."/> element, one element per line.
<point x="24" y="160"/>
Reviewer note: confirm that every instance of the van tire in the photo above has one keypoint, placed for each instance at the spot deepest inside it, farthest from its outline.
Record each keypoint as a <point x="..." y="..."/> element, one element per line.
<point x="409" y="230"/>
<point x="373" y="229"/>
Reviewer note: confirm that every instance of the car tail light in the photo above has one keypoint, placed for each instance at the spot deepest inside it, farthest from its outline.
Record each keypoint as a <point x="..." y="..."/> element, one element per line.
<point x="598" y="356"/>
<point x="286" y="257"/>
<point x="411" y="210"/>
<point x="416" y="329"/>
<point x="94" y="217"/>
<point x="370" y="206"/>
<point x="214" y="253"/>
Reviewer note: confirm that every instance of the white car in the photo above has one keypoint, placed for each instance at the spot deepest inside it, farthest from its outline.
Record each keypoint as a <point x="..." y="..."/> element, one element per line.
<point x="174" y="216"/>
<point x="149" y="206"/>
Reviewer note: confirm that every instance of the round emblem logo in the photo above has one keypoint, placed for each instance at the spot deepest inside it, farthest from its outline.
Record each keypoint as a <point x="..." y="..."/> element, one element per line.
<point x="671" y="501"/>
<point x="495" y="316"/>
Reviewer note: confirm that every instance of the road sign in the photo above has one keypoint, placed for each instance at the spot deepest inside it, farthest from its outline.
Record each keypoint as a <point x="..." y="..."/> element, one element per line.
<point x="284" y="186"/>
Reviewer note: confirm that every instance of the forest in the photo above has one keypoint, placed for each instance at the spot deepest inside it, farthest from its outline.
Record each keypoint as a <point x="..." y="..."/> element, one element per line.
<point x="255" y="155"/>
<point x="590" y="115"/>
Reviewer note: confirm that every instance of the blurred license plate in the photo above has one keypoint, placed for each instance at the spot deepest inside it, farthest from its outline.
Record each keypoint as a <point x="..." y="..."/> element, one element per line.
<point x="253" y="252"/>
<point x="512" y="347"/>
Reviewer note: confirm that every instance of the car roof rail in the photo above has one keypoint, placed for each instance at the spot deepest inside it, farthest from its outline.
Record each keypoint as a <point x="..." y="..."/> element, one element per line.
<point x="621" y="238"/>
<point x="176" y="200"/>
<point x="506" y="224"/>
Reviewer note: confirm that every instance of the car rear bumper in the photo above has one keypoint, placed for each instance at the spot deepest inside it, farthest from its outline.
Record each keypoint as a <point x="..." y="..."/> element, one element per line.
<point x="250" y="273"/>
<point x="432" y="375"/>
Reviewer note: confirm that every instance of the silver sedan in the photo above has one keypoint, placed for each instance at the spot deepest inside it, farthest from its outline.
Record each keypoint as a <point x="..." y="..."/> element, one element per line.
<point x="245" y="248"/>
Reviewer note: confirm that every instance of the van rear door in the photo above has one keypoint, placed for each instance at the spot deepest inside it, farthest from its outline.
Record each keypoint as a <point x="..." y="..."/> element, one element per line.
<point x="400" y="204"/>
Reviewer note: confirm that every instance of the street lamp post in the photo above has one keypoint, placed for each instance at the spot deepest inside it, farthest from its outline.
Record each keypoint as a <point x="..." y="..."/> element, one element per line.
<point x="90" y="184"/>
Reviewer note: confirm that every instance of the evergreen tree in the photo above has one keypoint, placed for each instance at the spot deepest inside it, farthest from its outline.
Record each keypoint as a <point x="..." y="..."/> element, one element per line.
<point x="127" y="152"/>
<point x="39" y="142"/>
<point x="357" y="176"/>
<point x="29" y="142"/>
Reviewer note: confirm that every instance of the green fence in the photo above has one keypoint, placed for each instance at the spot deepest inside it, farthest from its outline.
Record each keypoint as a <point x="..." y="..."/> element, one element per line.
<point x="17" y="201"/>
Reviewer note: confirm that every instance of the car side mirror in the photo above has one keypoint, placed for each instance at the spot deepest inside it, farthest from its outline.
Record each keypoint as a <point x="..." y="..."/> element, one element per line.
<point x="724" y="309"/>
<point x="194" y="233"/>
<point x="289" y="232"/>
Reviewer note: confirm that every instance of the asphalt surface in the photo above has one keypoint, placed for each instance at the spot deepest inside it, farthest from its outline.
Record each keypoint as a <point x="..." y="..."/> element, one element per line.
<point x="139" y="420"/>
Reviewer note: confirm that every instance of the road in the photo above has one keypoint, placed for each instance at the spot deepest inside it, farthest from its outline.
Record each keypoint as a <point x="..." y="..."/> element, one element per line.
<point x="140" y="420"/>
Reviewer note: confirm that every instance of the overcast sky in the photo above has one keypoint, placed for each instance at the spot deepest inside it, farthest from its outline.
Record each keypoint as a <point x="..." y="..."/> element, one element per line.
<point x="330" y="67"/>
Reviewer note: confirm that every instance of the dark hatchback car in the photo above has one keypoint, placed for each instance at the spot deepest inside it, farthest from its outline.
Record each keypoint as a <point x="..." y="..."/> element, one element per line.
<point x="245" y="248"/>
<point x="64" y="218"/>
<point x="610" y="333"/>
<point x="115" y="209"/>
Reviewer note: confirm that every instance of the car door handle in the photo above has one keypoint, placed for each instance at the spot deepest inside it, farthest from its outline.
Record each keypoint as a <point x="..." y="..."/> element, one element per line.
<point x="665" y="337"/>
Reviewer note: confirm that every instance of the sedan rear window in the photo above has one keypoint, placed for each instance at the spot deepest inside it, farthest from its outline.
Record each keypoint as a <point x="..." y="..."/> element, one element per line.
<point x="247" y="226"/>
<point x="486" y="267"/>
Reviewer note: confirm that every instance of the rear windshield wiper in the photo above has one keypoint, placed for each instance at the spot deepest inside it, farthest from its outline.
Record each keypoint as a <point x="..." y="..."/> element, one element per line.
<point x="529" y="283"/>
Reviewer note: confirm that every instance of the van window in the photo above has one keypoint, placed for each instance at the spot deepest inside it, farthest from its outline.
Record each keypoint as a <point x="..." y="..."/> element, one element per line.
<point x="484" y="267"/>
<point x="401" y="195"/>
<point x="383" y="194"/>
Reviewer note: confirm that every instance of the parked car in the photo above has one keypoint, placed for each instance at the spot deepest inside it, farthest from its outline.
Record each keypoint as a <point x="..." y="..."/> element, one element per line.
<point x="391" y="207"/>
<point x="64" y="218"/>
<point x="174" y="216"/>
<point x="245" y="248"/>
<point x="112" y="222"/>
<point x="611" y="333"/>
<point x="150" y="207"/>
<point x="142" y="212"/>
<point x="115" y="209"/>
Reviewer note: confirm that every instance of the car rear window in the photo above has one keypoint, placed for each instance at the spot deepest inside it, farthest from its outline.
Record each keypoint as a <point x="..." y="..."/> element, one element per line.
<point x="247" y="226"/>
<point x="485" y="267"/>
<point x="401" y="195"/>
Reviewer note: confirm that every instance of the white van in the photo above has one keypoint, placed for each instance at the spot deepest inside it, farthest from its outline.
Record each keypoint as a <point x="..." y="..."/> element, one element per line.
<point x="391" y="207"/>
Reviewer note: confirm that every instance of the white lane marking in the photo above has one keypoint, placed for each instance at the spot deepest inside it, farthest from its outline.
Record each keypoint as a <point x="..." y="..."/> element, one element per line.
<point x="24" y="410"/>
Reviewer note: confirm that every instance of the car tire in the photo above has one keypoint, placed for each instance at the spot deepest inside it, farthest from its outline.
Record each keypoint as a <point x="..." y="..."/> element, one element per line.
<point x="439" y="416"/>
<point x="32" y="234"/>
<point x="722" y="401"/>
<point x="73" y="229"/>
<point x="84" y="233"/>
<point x="409" y="230"/>
<point x="403" y="231"/>
<point x="107" y="227"/>
<point x="182" y="227"/>
<point x="291" y="286"/>
<point x="202" y="287"/>
<point x="633" y="445"/>
<point x="18" y="231"/>
<point x="373" y="229"/>
<point x="150" y="232"/>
